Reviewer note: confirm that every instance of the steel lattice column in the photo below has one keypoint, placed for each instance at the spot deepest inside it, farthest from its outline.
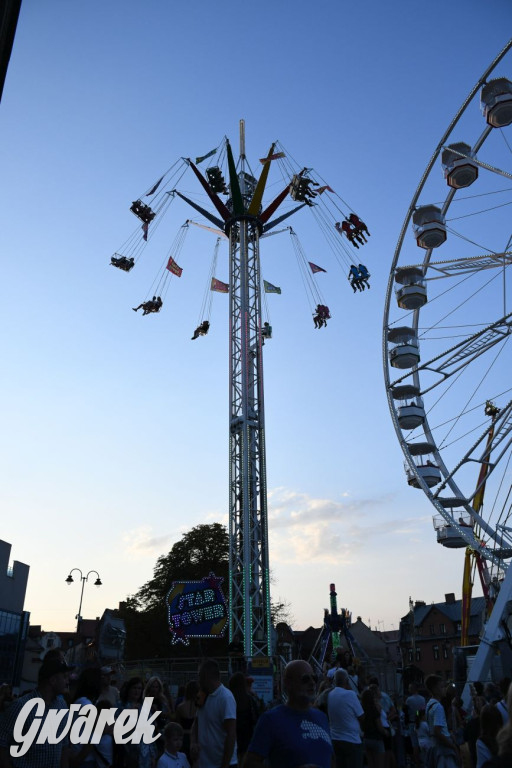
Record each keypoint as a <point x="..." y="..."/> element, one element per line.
<point x="248" y="530"/>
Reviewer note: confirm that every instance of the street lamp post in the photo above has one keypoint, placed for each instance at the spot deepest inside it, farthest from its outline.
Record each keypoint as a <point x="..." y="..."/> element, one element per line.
<point x="83" y="578"/>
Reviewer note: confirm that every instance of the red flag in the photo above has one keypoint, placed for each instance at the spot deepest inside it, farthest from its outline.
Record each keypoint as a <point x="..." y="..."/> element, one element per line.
<point x="323" y="189"/>
<point x="145" y="228"/>
<point x="219" y="286"/>
<point x="315" y="268"/>
<point x="173" y="267"/>
<point x="275" y="156"/>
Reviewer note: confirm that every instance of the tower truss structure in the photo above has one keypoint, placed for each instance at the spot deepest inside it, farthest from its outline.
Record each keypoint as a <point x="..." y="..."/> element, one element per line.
<point x="244" y="220"/>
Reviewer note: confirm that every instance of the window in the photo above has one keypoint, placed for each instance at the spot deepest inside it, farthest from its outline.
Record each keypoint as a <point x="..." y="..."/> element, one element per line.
<point x="459" y="627"/>
<point x="435" y="648"/>
<point x="445" y="652"/>
<point x="410" y="655"/>
<point x="432" y="629"/>
<point x="418" y="654"/>
<point x="442" y="629"/>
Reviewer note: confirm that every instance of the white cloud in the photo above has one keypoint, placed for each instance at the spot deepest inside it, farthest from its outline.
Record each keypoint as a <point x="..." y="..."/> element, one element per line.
<point x="304" y="529"/>
<point x="140" y="543"/>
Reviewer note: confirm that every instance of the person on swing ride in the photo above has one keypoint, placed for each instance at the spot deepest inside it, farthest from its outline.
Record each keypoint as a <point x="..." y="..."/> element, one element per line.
<point x="346" y="229"/>
<point x="359" y="226"/>
<point x="321" y="316"/>
<point x="355" y="278"/>
<point x="266" y="331"/>
<point x="365" y="275"/>
<point x="149" y="306"/>
<point x="201" y="329"/>
<point x="357" y="235"/>
<point x="306" y="189"/>
<point x="155" y="305"/>
<point x="122" y="263"/>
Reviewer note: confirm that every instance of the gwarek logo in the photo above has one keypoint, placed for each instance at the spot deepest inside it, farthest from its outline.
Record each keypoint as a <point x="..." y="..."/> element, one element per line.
<point x="83" y="723"/>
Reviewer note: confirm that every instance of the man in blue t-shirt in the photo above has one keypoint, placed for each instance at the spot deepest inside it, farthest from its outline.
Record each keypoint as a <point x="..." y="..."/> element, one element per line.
<point x="292" y="734"/>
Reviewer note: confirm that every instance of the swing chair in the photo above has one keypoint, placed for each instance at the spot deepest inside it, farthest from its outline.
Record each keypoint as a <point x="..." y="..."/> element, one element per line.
<point x="203" y="321"/>
<point x="319" y="308"/>
<point x="161" y="283"/>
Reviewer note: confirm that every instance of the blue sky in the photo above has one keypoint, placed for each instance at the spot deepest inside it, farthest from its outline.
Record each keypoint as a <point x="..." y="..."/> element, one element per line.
<point x="115" y="438"/>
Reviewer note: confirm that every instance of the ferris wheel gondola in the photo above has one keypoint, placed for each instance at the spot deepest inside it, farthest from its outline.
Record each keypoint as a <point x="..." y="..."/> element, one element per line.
<point x="448" y="325"/>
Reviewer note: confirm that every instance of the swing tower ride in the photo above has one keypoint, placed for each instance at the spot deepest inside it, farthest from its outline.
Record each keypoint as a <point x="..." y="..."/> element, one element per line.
<point x="244" y="221"/>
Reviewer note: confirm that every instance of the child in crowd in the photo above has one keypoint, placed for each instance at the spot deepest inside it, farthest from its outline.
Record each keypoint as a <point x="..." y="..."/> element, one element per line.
<point x="173" y="740"/>
<point x="422" y="732"/>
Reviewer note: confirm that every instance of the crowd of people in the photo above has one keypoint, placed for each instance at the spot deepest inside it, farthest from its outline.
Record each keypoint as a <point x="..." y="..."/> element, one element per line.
<point x="427" y="728"/>
<point x="337" y="720"/>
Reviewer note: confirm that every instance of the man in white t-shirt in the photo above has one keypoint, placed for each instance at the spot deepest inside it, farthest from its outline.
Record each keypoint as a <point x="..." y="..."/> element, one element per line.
<point x="442" y="742"/>
<point x="213" y="737"/>
<point x="345" y="718"/>
<point x="415" y="704"/>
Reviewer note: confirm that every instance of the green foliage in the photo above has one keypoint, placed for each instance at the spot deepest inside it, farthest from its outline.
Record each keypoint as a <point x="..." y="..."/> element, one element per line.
<point x="205" y="548"/>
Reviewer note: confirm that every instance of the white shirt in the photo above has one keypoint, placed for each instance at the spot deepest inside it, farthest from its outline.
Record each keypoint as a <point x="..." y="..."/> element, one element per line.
<point x="168" y="760"/>
<point x="423" y="735"/>
<point x="502" y="709"/>
<point x="218" y="707"/>
<point x="483" y="753"/>
<point x="436" y="717"/>
<point x="344" y="709"/>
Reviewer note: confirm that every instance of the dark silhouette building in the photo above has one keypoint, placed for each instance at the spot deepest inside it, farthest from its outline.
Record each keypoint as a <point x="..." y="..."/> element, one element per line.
<point x="13" y="619"/>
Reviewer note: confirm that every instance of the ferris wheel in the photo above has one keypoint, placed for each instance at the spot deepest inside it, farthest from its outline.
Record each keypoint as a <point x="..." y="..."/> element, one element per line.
<point x="447" y="343"/>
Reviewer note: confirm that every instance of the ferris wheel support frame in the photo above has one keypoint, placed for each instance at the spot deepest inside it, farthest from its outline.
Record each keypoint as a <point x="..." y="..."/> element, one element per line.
<point x="493" y="637"/>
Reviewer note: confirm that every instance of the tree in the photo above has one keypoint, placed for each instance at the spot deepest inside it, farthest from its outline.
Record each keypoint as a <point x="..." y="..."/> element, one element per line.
<point x="281" y="611"/>
<point x="205" y="548"/>
<point x="200" y="551"/>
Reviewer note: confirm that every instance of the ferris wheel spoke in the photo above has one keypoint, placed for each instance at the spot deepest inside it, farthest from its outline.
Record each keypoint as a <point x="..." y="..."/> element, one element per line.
<point x="448" y="363"/>
<point x="480" y="163"/>
<point x="502" y="429"/>
<point x="454" y="359"/>
<point x="452" y="267"/>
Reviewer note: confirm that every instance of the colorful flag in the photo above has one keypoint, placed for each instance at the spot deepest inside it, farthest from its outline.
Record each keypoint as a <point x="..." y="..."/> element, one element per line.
<point x="219" y="286"/>
<point x="173" y="267"/>
<point x="154" y="189"/>
<point x="210" y="154"/>
<point x="145" y="228"/>
<point x="315" y="268"/>
<point x="322" y="189"/>
<point x="276" y="156"/>
<point x="269" y="288"/>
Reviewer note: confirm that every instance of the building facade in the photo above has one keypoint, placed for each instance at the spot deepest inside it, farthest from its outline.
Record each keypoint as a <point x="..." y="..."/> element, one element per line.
<point x="13" y="619"/>
<point x="429" y="634"/>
